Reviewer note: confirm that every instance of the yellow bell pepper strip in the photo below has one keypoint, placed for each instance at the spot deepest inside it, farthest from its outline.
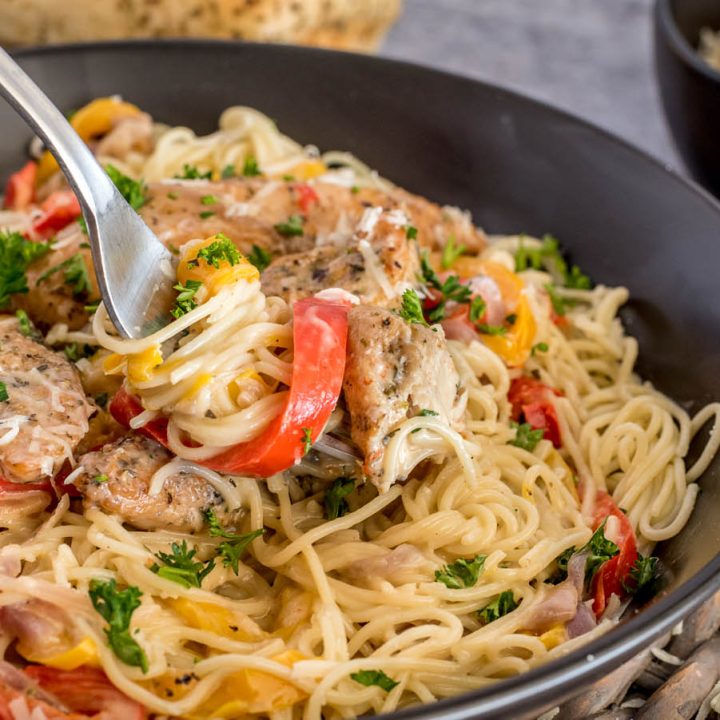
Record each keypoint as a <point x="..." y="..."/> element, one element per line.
<point x="95" y="119"/>
<point x="84" y="653"/>
<point x="217" y="619"/>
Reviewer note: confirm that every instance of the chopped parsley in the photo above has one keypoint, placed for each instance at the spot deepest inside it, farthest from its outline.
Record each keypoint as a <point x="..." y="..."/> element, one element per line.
<point x="411" y="231"/>
<point x="451" y="252"/>
<point x="227" y="172"/>
<point x="221" y="250"/>
<point x="74" y="352"/>
<point x="234" y="546"/>
<point x="190" y="172"/>
<point x="335" y="503"/>
<point x="462" y="573"/>
<point x="172" y="196"/>
<point x="292" y="227"/>
<point x="374" y="677"/>
<point x="100" y="479"/>
<point x="4" y="397"/>
<point x="185" y="301"/>
<point x="288" y="178"/>
<point x="599" y="550"/>
<point x="306" y="440"/>
<point x="206" y="214"/>
<point x="427" y="413"/>
<point x="16" y="255"/>
<point x="116" y="608"/>
<point x="451" y="289"/>
<point x="511" y="319"/>
<point x="259" y="257"/>
<point x="355" y="189"/>
<point x="502" y="605"/>
<point x="644" y="577"/>
<point x="25" y="325"/>
<point x="209" y="199"/>
<point x="477" y="309"/>
<point x="525" y="437"/>
<point x="411" y="309"/>
<point x="491" y="329"/>
<point x="75" y="274"/>
<point x="559" y="304"/>
<point x="133" y="191"/>
<point x="181" y="567"/>
<point x="251" y="167"/>
<point x="92" y="307"/>
<point x="548" y="256"/>
<point x="539" y="347"/>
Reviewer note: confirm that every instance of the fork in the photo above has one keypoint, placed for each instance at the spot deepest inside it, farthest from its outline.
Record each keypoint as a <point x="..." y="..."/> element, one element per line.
<point x="134" y="270"/>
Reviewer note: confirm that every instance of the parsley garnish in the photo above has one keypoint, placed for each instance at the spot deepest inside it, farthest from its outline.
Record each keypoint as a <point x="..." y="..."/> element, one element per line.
<point x="539" y="347"/>
<point x="259" y="257"/>
<point x="355" y="189"/>
<point x="227" y="172"/>
<point x="450" y="289"/>
<point x="502" y="605"/>
<point x="232" y="550"/>
<point x="599" y="550"/>
<point x="477" y="309"/>
<point x="172" y="196"/>
<point x="75" y="274"/>
<point x="491" y="329"/>
<point x="92" y="307"/>
<point x="410" y="230"/>
<point x="411" y="309"/>
<point x="462" y="573"/>
<point x="292" y="227"/>
<point x="206" y="214"/>
<point x="335" y="504"/>
<point x="25" y="325"/>
<point x="643" y="578"/>
<point x="558" y="303"/>
<point x="549" y="256"/>
<point x="250" y="167"/>
<point x="74" y="352"/>
<point x="4" y="397"/>
<point x="185" y="301"/>
<point x="525" y="437"/>
<point x="100" y="479"/>
<point x="208" y="199"/>
<point x="16" y="254"/>
<point x="451" y="252"/>
<point x="190" y="172"/>
<point x="116" y="607"/>
<point x="427" y="413"/>
<point x="374" y="677"/>
<point x="306" y="440"/>
<point x="181" y="567"/>
<point x="221" y="250"/>
<point x="132" y="190"/>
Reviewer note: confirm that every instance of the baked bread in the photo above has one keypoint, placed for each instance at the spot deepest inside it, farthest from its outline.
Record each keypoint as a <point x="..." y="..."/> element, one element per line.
<point x="344" y="24"/>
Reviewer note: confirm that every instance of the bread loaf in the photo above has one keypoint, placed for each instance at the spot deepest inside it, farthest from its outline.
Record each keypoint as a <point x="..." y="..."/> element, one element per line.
<point x="345" y="24"/>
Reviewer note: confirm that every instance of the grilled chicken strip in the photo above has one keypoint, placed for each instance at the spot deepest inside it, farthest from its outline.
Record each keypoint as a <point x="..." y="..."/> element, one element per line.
<point x="129" y="465"/>
<point x="45" y="414"/>
<point x="376" y="265"/>
<point x="394" y="371"/>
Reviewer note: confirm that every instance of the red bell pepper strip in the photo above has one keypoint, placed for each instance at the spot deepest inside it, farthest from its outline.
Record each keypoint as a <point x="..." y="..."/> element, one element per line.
<point x="611" y="575"/>
<point x="59" y="210"/>
<point x="306" y="197"/>
<point x="10" y="487"/>
<point x="319" y="337"/>
<point x="87" y="692"/>
<point x="20" y="188"/>
<point x="531" y="402"/>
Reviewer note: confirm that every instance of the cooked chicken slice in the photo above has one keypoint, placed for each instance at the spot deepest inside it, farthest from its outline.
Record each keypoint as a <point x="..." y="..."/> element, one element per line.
<point x="45" y="414"/>
<point x="394" y="371"/>
<point x="129" y="465"/>
<point x="61" y="283"/>
<point x="132" y="133"/>
<point x="377" y="265"/>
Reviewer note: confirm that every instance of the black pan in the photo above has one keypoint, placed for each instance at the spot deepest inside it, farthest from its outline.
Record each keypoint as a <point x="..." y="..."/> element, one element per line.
<point x="519" y="166"/>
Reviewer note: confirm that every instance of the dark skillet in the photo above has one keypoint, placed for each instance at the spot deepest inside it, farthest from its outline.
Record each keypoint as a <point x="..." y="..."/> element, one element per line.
<point x="519" y="166"/>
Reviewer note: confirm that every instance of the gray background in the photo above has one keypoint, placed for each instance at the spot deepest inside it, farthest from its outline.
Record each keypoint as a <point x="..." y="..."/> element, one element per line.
<point x="591" y="57"/>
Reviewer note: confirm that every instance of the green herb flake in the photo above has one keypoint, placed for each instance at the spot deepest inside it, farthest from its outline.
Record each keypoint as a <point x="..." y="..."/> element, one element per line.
<point x="16" y="255"/>
<point x="4" y="397"/>
<point x="539" y="347"/>
<point x="374" y="677"/>
<point x="643" y="579"/>
<point x="411" y="232"/>
<point x="228" y="172"/>
<point x="74" y="351"/>
<point x="451" y="252"/>
<point x="288" y="178"/>
<point x="205" y="214"/>
<point x="231" y="551"/>
<point x="190" y="172"/>
<point x="427" y="413"/>
<point x="221" y="250"/>
<point x="355" y="189"/>
<point x="599" y="550"/>
<point x="335" y="503"/>
<point x="292" y="227"/>
<point x="526" y="437"/>
<point x="491" y="329"/>
<point x="172" y="196"/>
<point x="251" y="167"/>
<point x="306" y="440"/>
<point x="25" y="325"/>
<point x="185" y="301"/>
<point x="411" y="309"/>
<point x="548" y="256"/>
<point x="259" y="257"/>
<point x="462" y="573"/>
<point x="134" y="192"/>
<point x="101" y="479"/>
<point x="75" y="274"/>
<point x="116" y="608"/>
<point x="477" y="309"/>
<point x="209" y="199"/>
<point x="502" y="605"/>
<point x="101" y="400"/>
<point x="181" y="567"/>
<point x="559" y="304"/>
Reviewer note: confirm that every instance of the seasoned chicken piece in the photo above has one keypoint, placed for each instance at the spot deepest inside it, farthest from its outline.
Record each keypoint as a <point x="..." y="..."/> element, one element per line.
<point x="394" y="371"/>
<point x="45" y="414"/>
<point x="129" y="465"/>
<point x="61" y="283"/>
<point x="132" y="133"/>
<point x="377" y="265"/>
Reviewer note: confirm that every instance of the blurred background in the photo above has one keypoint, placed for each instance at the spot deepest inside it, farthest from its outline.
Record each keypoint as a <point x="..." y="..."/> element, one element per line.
<point x="592" y="57"/>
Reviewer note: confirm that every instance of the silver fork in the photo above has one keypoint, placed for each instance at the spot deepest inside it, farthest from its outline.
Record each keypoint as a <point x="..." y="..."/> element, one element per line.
<point x="135" y="271"/>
